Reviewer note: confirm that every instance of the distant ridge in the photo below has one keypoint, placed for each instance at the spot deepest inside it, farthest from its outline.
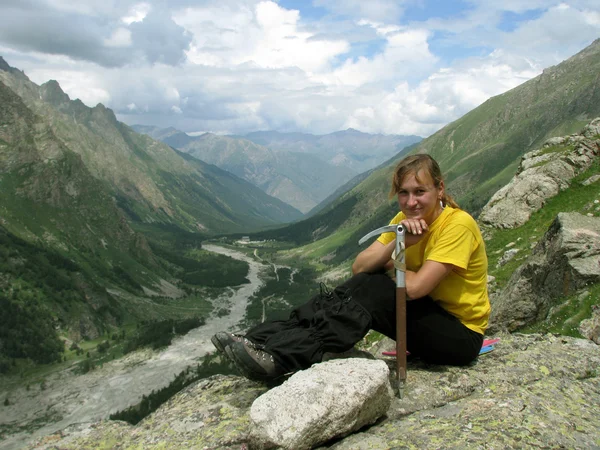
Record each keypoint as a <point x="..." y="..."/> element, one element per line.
<point x="351" y="148"/>
<point x="298" y="179"/>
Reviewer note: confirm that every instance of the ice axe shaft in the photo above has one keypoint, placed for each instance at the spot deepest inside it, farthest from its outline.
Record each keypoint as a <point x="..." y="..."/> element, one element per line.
<point x="400" y="266"/>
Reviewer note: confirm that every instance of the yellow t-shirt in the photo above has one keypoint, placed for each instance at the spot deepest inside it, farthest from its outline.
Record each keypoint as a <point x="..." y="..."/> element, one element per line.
<point x="454" y="238"/>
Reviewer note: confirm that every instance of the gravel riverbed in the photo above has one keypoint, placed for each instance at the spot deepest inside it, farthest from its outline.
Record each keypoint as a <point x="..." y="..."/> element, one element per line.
<point x="70" y="400"/>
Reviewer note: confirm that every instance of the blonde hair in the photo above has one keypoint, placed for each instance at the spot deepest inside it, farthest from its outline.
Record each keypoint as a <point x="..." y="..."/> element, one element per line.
<point x="413" y="165"/>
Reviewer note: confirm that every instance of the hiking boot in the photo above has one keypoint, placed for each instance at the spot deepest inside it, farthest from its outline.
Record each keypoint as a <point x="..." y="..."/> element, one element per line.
<point x="254" y="363"/>
<point x="222" y="339"/>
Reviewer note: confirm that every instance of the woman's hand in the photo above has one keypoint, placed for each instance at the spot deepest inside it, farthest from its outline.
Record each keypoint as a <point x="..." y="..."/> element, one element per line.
<point x="416" y="229"/>
<point x="415" y="226"/>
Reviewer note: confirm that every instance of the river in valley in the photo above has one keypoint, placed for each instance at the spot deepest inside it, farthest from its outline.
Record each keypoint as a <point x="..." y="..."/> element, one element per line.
<point x="69" y="400"/>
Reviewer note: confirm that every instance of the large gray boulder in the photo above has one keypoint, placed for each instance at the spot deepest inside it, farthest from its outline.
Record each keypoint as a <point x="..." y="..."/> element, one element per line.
<point x="566" y="260"/>
<point x="542" y="174"/>
<point x="330" y="400"/>
<point x="539" y="391"/>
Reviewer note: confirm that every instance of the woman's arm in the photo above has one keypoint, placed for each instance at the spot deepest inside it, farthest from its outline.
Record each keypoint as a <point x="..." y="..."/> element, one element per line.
<point x="421" y="283"/>
<point x="373" y="258"/>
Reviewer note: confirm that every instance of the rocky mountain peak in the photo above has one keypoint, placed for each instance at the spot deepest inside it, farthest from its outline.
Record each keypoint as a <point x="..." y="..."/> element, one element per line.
<point x="52" y="93"/>
<point x="4" y="65"/>
<point x="105" y="113"/>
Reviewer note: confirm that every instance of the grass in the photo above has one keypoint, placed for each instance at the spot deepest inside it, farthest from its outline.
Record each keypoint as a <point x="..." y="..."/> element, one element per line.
<point x="278" y="296"/>
<point x="556" y="149"/>
<point x="567" y="313"/>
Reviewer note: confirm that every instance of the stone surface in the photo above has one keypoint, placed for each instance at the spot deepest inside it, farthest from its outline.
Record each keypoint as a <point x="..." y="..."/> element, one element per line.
<point x="331" y="399"/>
<point x="591" y="180"/>
<point x="539" y="391"/>
<point x="565" y="260"/>
<point x="542" y="174"/>
<point x="590" y="328"/>
<point x="507" y="256"/>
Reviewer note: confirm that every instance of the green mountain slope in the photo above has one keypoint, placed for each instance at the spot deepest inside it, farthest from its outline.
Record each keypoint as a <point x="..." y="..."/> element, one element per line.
<point x="478" y="153"/>
<point x="154" y="182"/>
<point x="63" y="241"/>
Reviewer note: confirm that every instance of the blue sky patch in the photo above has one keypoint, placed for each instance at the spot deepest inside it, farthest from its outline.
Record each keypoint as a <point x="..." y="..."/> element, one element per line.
<point x="448" y="49"/>
<point x="367" y="49"/>
<point x="511" y="21"/>
<point x="428" y="9"/>
<point x="307" y="10"/>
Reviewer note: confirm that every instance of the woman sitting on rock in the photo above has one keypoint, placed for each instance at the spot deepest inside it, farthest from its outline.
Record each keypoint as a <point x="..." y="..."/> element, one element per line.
<point x="446" y="285"/>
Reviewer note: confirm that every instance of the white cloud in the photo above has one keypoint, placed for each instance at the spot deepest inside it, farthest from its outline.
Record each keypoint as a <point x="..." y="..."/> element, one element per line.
<point x="88" y="7"/>
<point x="560" y="29"/>
<point x="121" y="37"/>
<point x="267" y="36"/>
<point x="136" y="13"/>
<point x="441" y="98"/>
<point x="282" y="45"/>
<point x="406" y="54"/>
<point x="86" y="85"/>
<point x="243" y="65"/>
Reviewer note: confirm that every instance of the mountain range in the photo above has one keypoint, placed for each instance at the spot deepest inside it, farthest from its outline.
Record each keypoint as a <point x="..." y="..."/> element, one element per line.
<point x="100" y="229"/>
<point x="478" y="153"/>
<point x="349" y="148"/>
<point x="298" y="168"/>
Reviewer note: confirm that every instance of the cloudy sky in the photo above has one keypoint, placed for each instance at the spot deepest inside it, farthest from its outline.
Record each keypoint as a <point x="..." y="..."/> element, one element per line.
<point x="234" y="66"/>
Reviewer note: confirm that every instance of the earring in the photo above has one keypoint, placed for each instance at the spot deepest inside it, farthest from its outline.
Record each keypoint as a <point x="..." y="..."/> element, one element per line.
<point x="441" y="204"/>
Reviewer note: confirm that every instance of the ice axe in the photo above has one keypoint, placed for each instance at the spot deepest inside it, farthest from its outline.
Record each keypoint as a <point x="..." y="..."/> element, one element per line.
<point x="400" y="266"/>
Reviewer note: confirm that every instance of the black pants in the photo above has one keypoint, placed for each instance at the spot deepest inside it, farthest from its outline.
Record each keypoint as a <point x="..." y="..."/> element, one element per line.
<point x="335" y="321"/>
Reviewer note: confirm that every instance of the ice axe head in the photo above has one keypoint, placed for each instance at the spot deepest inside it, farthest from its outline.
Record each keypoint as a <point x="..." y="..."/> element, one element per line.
<point x="399" y="260"/>
<point x="398" y="229"/>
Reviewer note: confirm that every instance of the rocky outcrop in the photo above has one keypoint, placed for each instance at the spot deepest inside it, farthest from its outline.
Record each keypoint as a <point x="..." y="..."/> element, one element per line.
<point x="564" y="261"/>
<point x="541" y="175"/>
<point x="532" y="391"/>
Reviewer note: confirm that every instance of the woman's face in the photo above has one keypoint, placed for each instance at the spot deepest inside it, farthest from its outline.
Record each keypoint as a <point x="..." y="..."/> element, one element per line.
<point x="419" y="198"/>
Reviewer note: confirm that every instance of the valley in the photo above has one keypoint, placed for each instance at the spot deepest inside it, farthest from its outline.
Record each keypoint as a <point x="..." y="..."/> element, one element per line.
<point x="65" y="399"/>
<point x="101" y="231"/>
